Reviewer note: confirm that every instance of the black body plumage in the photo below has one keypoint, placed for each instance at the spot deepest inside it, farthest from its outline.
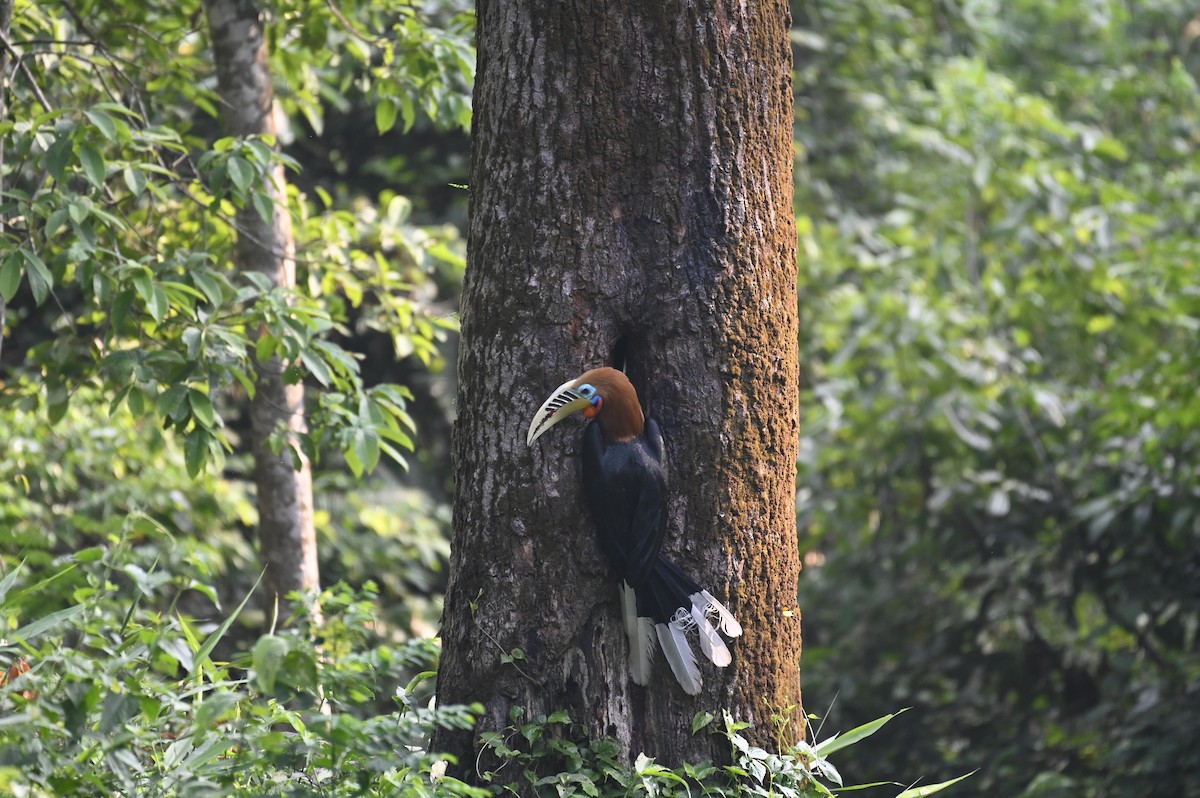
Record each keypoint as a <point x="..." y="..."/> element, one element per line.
<point x="625" y="484"/>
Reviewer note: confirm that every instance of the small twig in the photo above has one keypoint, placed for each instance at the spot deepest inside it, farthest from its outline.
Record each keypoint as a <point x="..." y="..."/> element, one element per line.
<point x="20" y="64"/>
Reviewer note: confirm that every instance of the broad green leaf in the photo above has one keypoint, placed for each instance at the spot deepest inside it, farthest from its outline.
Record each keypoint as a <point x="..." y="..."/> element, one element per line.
<point x="240" y="172"/>
<point x="158" y="304"/>
<point x="141" y="281"/>
<point x="267" y="658"/>
<point x="40" y="279"/>
<point x="10" y="275"/>
<point x="316" y="366"/>
<point x="202" y="407"/>
<point x="169" y="399"/>
<point x="135" y="180"/>
<point x="57" y="158"/>
<point x="93" y="164"/>
<point x="385" y="114"/>
<point x="103" y="122"/>
<point x="56" y="221"/>
<point x="264" y="205"/>
<point x="121" y="304"/>
<point x="209" y="285"/>
<point x="195" y="447"/>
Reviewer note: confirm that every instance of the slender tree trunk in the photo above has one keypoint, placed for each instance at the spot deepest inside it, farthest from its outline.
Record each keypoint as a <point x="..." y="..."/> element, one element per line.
<point x="631" y="203"/>
<point x="285" y="501"/>
<point x="6" y="7"/>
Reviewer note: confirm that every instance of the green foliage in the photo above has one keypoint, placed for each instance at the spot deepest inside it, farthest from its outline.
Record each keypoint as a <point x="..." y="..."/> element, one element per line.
<point x="998" y="303"/>
<point x="123" y="211"/>
<point x="550" y="756"/>
<point x="127" y="692"/>
<point x="137" y="703"/>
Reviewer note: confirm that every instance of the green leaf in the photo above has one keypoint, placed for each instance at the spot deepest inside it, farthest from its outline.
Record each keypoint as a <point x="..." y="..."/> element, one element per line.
<point x="366" y="449"/>
<point x="209" y="285"/>
<point x="10" y="276"/>
<point x="40" y="279"/>
<point x="169" y="399"/>
<point x="120" y="308"/>
<point x="267" y="657"/>
<point x="351" y="453"/>
<point x="1111" y="148"/>
<point x="79" y="209"/>
<point x="211" y="641"/>
<point x="837" y="743"/>
<point x="193" y="340"/>
<point x="921" y="792"/>
<point x="195" y="448"/>
<point x="57" y="400"/>
<point x="158" y="304"/>
<point x="141" y="281"/>
<point x="264" y="205"/>
<point x="264" y="348"/>
<point x="408" y="109"/>
<point x="55" y="222"/>
<point x="31" y="630"/>
<point x="93" y="164"/>
<point x="316" y="366"/>
<point x="104" y="123"/>
<point x="135" y="180"/>
<point x="7" y="582"/>
<point x="57" y="158"/>
<point x="385" y="115"/>
<point x="202" y="407"/>
<point x="240" y="172"/>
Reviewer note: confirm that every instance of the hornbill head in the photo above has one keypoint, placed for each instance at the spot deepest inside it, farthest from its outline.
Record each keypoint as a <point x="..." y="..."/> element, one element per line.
<point x="604" y="394"/>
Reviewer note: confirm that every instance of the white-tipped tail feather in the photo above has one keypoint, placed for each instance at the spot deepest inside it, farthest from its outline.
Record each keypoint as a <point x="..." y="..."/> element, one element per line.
<point x="729" y="624"/>
<point x="673" y="638"/>
<point x="640" y="632"/>
<point x="710" y="642"/>
<point x="679" y="655"/>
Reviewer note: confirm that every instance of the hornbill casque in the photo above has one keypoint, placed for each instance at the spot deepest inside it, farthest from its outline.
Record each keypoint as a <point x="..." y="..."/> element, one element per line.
<point x="625" y="485"/>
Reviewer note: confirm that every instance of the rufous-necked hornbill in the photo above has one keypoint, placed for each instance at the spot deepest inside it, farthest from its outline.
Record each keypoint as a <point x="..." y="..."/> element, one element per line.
<point x="625" y="485"/>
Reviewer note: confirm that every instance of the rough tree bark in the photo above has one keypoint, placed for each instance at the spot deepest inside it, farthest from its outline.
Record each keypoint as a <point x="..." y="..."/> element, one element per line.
<point x="631" y="200"/>
<point x="285" y="502"/>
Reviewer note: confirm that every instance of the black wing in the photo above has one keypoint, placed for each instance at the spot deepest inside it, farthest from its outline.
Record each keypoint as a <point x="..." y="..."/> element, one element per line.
<point x="625" y="487"/>
<point x="595" y="491"/>
<point x="650" y="514"/>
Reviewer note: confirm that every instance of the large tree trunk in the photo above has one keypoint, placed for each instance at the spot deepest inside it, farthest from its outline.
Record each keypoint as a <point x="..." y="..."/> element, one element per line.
<point x="631" y="201"/>
<point x="285" y="502"/>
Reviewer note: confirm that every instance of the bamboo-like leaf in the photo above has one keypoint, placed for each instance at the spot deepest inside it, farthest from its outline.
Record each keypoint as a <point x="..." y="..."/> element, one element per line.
<point x="211" y="641"/>
<point x="827" y="747"/>
<point x="35" y="628"/>
<point x="930" y="789"/>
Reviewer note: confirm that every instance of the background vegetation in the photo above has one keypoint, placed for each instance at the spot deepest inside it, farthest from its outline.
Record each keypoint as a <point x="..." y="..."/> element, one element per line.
<point x="997" y="490"/>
